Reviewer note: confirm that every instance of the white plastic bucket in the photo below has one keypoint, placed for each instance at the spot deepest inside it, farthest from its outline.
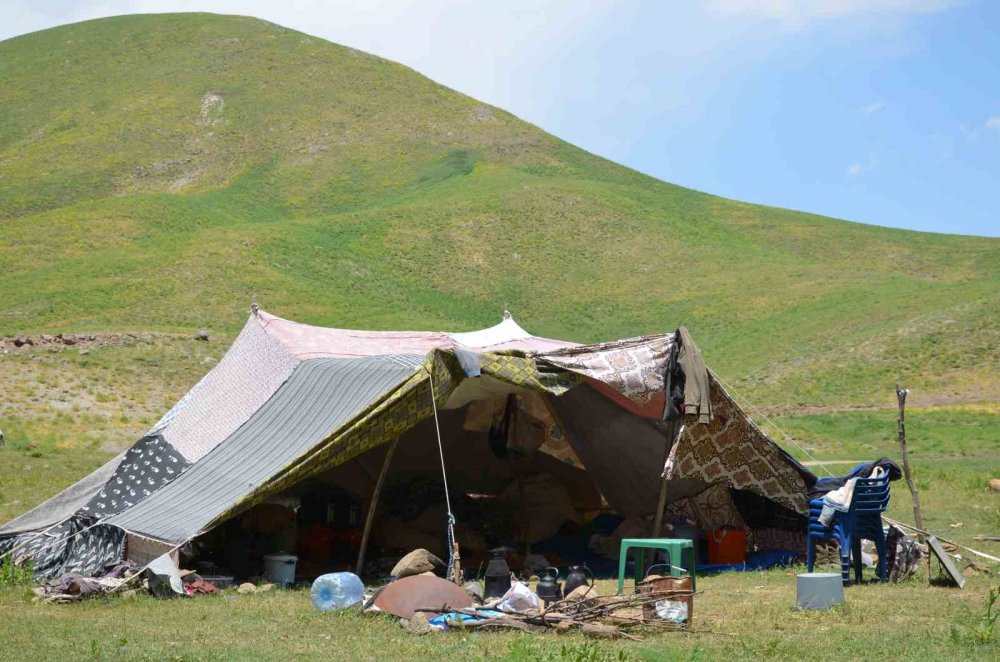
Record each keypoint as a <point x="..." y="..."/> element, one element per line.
<point x="819" y="590"/>
<point x="280" y="568"/>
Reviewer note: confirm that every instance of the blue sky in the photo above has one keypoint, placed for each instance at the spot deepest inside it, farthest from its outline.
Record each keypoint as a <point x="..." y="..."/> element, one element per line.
<point x="879" y="111"/>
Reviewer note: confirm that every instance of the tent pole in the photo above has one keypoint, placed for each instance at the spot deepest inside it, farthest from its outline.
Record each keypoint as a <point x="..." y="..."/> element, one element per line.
<point x="371" y="508"/>
<point x="668" y="379"/>
<point x="661" y="503"/>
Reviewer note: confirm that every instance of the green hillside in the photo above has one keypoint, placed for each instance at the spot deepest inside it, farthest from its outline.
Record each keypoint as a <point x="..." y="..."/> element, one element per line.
<point x="157" y="172"/>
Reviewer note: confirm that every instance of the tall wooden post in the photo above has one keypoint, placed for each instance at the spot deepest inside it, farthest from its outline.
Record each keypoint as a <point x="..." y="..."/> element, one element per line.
<point x="373" y="505"/>
<point x="668" y="378"/>
<point x="901" y="429"/>
<point x="661" y="503"/>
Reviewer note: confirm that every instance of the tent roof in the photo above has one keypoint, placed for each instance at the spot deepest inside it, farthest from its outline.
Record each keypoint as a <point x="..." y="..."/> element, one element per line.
<point x="305" y="341"/>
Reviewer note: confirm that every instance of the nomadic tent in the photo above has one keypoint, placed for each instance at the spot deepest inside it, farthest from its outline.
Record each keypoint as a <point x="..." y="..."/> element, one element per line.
<point x="291" y="404"/>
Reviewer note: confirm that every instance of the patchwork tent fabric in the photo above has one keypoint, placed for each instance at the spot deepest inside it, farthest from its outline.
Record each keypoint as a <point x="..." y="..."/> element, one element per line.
<point x="633" y="367"/>
<point x="290" y="402"/>
<point x="732" y="450"/>
<point x="61" y="506"/>
<point x="146" y="467"/>
<point x="243" y="380"/>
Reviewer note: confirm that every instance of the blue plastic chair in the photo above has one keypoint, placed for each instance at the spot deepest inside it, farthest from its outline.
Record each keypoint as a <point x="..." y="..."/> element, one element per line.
<point x="862" y="520"/>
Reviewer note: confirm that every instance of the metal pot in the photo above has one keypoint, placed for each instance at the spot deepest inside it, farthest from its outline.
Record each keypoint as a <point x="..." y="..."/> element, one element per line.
<point x="497" y="574"/>
<point x="579" y="575"/>
<point x="548" y="588"/>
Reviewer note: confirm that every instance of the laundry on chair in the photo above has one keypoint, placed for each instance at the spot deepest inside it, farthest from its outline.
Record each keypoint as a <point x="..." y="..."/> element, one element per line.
<point x="840" y="499"/>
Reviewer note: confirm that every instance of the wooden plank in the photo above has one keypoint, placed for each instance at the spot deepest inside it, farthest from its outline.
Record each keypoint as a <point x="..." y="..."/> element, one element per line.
<point x="945" y="559"/>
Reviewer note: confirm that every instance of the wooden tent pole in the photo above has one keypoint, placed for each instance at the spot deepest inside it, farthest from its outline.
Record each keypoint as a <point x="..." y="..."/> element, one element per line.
<point x="661" y="503"/>
<point x="668" y="378"/>
<point x="373" y="505"/>
<point x="901" y="429"/>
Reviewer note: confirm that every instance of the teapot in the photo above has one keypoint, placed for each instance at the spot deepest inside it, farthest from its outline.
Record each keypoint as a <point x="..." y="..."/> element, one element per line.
<point x="579" y="575"/>
<point x="548" y="588"/>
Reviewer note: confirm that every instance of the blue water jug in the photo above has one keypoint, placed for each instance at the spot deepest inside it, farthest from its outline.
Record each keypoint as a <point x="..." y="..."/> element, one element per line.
<point x="337" y="590"/>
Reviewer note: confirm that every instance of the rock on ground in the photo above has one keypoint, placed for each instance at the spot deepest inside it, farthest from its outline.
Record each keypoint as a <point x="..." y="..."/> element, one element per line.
<point x="417" y="562"/>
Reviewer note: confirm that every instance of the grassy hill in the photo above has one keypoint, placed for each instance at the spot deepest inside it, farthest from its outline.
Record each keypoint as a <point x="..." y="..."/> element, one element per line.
<point x="156" y="172"/>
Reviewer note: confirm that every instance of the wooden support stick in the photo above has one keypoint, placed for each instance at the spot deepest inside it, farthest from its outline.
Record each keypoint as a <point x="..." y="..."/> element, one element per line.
<point x="661" y="503"/>
<point x="374" y="504"/>
<point x="901" y="429"/>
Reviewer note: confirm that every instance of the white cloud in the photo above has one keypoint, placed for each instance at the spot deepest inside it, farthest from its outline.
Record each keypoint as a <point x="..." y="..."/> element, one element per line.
<point x="795" y="13"/>
<point x="873" y="107"/>
<point x="993" y="122"/>
<point x="971" y="134"/>
<point x="857" y="169"/>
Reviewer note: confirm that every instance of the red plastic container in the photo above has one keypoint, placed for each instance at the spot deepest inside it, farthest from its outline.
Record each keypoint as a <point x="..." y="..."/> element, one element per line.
<point x="727" y="546"/>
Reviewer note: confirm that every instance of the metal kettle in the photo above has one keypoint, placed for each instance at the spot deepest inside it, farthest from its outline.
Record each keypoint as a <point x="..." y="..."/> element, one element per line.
<point x="579" y="575"/>
<point x="548" y="588"/>
<point x="497" y="574"/>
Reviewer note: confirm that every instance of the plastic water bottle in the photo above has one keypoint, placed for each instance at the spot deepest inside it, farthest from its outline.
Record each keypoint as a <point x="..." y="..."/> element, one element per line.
<point x="337" y="590"/>
<point x="670" y="610"/>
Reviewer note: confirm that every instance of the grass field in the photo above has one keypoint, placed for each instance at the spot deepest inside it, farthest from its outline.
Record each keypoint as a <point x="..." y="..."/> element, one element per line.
<point x="739" y="616"/>
<point x="745" y="616"/>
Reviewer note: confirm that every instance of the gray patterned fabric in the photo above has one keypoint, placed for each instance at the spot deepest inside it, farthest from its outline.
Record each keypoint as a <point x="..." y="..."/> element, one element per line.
<point x="319" y="397"/>
<point x="73" y="546"/>
<point x="62" y="505"/>
<point x="147" y="466"/>
<point x="76" y="545"/>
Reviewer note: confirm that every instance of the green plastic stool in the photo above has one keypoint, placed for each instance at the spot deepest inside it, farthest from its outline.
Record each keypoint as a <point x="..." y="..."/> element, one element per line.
<point x="676" y="548"/>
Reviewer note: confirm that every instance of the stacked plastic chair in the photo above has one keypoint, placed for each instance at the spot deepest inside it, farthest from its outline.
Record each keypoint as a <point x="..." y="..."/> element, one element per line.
<point x="862" y="520"/>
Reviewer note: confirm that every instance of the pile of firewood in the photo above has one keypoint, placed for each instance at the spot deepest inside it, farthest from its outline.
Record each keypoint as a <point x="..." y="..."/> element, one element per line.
<point x="601" y="617"/>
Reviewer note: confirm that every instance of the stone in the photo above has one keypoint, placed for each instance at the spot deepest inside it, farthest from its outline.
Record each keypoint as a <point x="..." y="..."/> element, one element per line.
<point x="418" y="624"/>
<point x="417" y="562"/>
<point x="246" y="587"/>
<point x="68" y="338"/>
<point x="583" y="595"/>
<point x="601" y="631"/>
<point x="20" y="340"/>
<point x="202" y="335"/>
<point x="971" y="570"/>
<point x="475" y="590"/>
<point x="264" y="588"/>
<point x="995" y="484"/>
<point x="47" y="338"/>
<point x="84" y="352"/>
